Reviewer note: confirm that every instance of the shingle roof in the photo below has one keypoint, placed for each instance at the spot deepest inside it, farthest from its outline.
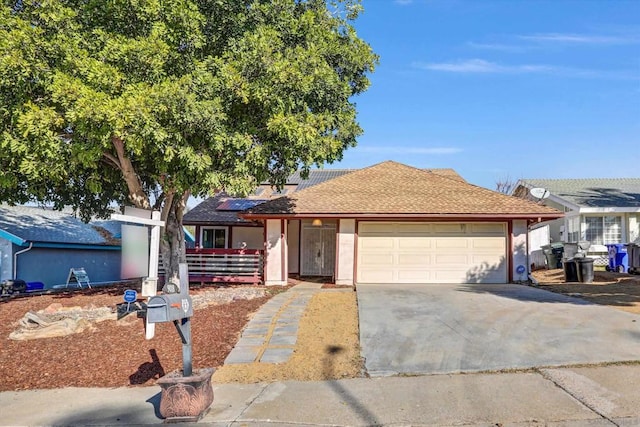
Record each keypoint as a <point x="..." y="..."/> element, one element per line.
<point x="316" y="176"/>
<point x="593" y="192"/>
<point x="392" y="189"/>
<point x="35" y="224"/>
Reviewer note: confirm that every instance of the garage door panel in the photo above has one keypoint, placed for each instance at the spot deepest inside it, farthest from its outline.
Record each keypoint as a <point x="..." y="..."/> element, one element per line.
<point x="414" y="259"/>
<point x="377" y="259"/>
<point x="452" y="259"/>
<point x="450" y="276"/>
<point x="431" y="252"/>
<point x="410" y="243"/>
<point x="496" y="229"/>
<point x="451" y="243"/>
<point x="377" y="243"/>
<point x="413" y="276"/>
<point x="412" y="228"/>
<point x="488" y="243"/>
<point x="449" y="229"/>
<point x="371" y="275"/>
<point x="486" y="259"/>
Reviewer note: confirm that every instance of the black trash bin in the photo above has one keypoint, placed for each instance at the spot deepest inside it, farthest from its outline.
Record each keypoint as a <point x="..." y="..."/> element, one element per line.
<point x="558" y="251"/>
<point x="570" y="270"/>
<point x="585" y="269"/>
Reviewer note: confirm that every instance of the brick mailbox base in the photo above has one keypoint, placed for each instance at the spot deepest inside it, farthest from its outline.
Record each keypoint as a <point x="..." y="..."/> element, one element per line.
<point x="186" y="399"/>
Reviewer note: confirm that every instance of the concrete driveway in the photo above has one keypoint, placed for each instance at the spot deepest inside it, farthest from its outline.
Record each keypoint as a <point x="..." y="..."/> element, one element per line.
<point x="425" y="329"/>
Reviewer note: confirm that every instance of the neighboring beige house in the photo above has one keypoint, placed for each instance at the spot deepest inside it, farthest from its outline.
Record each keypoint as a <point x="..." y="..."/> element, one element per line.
<point x="392" y="223"/>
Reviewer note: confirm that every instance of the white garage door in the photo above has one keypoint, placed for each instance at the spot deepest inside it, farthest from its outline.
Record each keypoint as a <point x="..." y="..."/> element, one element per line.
<point x="417" y="252"/>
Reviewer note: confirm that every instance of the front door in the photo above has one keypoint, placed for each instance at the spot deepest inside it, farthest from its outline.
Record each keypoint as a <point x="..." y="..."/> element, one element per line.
<point x="318" y="250"/>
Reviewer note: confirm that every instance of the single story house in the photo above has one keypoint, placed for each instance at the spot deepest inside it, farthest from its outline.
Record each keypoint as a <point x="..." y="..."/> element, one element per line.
<point x="598" y="210"/>
<point x="42" y="245"/>
<point x="393" y="223"/>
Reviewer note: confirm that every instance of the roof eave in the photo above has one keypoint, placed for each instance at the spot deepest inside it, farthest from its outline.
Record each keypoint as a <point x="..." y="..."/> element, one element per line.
<point x="448" y="216"/>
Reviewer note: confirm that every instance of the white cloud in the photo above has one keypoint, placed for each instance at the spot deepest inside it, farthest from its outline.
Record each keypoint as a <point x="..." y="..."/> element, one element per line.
<point x="410" y="150"/>
<point x="581" y="38"/>
<point x="480" y="66"/>
<point x="498" y="47"/>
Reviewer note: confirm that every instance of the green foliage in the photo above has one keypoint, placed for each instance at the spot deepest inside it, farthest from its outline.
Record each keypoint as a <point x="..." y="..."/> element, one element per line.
<point x="205" y="95"/>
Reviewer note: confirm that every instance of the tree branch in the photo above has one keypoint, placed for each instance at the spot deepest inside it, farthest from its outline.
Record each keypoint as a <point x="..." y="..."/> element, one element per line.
<point x="136" y="193"/>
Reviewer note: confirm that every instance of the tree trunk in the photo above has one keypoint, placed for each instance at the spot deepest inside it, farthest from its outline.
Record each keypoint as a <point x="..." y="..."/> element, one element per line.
<point x="172" y="244"/>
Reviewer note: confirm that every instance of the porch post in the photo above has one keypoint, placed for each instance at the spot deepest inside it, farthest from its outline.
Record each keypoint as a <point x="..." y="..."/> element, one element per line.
<point x="520" y="251"/>
<point x="275" y="271"/>
<point x="346" y="251"/>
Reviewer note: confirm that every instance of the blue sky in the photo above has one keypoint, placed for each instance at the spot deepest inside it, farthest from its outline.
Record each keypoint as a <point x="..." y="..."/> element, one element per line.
<point x="502" y="89"/>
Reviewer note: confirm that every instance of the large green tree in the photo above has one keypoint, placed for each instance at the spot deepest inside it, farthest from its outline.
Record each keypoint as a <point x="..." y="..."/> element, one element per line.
<point x="152" y="101"/>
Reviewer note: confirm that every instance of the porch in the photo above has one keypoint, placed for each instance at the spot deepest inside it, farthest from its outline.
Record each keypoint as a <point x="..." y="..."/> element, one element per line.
<point x="244" y="266"/>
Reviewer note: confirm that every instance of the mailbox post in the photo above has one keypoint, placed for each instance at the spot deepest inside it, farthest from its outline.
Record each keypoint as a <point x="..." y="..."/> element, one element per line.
<point x="178" y="308"/>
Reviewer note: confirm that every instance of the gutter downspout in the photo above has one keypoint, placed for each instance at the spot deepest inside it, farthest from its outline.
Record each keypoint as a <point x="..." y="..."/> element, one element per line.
<point x="15" y="260"/>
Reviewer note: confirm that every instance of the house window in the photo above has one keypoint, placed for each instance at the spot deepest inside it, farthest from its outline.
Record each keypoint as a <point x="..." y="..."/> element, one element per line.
<point x="601" y="230"/>
<point x="573" y="229"/>
<point x="214" y="238"/>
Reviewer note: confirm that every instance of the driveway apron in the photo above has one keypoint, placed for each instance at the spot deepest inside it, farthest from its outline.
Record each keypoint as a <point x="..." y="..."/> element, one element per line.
<point x="428" y="329"/>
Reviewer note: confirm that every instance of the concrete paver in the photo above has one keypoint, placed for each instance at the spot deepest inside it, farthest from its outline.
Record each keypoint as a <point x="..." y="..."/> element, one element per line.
<point x="274" y="329"/>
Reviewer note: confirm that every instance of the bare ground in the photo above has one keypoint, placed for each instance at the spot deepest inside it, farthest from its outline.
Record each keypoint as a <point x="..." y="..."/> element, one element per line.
<point x="618" y="290"/>
<point x="327" y="347"/>
<point x="115" y="353"/>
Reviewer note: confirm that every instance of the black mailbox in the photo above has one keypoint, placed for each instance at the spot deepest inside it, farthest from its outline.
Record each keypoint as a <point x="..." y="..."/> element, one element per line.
<point x="169" y="307"/>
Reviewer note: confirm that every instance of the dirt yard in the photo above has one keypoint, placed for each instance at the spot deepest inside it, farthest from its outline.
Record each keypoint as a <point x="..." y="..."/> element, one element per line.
<point x="618" y="290"/>
<point x="114" y="353"/>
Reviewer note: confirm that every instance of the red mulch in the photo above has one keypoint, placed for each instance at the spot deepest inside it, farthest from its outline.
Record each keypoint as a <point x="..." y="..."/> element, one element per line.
<point x="116" y="354"/>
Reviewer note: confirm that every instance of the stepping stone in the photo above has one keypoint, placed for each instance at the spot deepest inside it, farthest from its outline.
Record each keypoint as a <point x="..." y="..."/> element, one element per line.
<point x="276" y="355"/>
<point x="283" y="340"/>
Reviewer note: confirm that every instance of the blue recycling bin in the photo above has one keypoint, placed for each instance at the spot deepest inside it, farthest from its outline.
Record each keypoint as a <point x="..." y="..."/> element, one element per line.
<point x="618" y="259"/>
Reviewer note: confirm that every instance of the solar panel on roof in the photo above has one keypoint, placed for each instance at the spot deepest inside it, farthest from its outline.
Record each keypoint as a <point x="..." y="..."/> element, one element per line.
<point x="238" y="204"/>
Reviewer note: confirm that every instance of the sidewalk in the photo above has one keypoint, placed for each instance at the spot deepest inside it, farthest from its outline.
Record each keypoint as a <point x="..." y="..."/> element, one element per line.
<point x="595" y="396"/>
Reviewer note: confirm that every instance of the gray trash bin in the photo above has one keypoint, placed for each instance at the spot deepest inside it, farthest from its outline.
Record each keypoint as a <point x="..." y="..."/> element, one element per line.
<point x="633" y="256"/>
<point x="584" y="267"/>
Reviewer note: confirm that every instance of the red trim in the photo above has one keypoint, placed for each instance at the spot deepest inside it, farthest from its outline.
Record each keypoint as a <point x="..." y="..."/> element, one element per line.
<point x="283" y="250"/>
<point x="336" y="269"/>
<point x="355" y="251"/>
<point x="510" y="252"/>
<point x="409" y="217"/>
<point x="266" y="250"/>
<point x="299" y="245"/>
<point x="197" y="251"/>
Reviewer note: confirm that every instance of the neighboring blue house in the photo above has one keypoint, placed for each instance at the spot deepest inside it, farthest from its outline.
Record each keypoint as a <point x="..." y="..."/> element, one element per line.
<point x="42" y="245"/>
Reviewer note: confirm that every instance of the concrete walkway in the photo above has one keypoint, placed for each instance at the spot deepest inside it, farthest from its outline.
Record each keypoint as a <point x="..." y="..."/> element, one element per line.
<point x="568" y="397"/>
<point x="271" y="335"/>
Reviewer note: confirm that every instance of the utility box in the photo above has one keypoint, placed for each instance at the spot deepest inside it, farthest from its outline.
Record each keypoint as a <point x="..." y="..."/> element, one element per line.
<point x="169" y="307"/>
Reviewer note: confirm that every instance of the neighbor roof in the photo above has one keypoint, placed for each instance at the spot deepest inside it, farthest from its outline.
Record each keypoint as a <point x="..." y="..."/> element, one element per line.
<point x="592" y="192"/>
<point x="24" y="224"/>
<point x="206" y="212"/>
<point x="391" y="189"/>
<point x="316" y="176"/>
